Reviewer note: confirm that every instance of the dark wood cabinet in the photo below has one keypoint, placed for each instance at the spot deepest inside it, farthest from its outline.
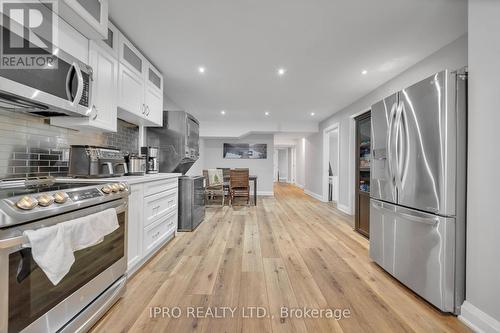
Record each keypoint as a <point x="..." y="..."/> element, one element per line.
<point x="363" y="162"/>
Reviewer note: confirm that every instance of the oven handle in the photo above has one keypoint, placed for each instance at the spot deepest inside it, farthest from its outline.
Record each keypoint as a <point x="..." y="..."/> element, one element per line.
<point x="20" y="240"/>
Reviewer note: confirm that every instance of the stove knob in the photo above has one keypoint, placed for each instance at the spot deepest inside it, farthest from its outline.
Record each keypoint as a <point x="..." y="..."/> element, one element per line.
<point x="106" y="189"/>
<point x="122" y="187"/>
<point x="114" y="187"/>
<point x="61" y="197"/>
<point x="45" y="200"/>
<point x="27" y="203"/>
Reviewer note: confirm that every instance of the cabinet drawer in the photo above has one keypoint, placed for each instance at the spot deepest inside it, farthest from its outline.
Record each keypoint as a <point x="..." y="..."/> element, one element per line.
<point x="159" y="205"/>
<point x="159" y="231"/>
<point x="159" y="186"/>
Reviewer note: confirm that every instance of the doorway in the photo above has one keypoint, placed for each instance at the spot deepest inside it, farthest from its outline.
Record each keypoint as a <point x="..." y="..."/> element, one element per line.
<point x="331" y="164"/>
<point x="285" y="164"/>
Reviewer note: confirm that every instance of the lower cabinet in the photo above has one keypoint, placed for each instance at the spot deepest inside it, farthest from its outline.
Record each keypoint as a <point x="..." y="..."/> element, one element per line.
<point x="152" y="220"/>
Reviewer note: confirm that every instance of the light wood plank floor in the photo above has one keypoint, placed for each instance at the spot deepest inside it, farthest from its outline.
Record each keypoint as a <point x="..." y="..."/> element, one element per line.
<point x="290" y="251"/>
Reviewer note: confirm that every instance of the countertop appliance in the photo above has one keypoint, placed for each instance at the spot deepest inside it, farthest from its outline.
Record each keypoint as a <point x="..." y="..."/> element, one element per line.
<point x="64" y="90"/>
<point x="136" y="164"/>
<point x="96" y="279"/>
<point x="96" y="162"/>
<point x="418" y="179"/>
<point x="152" y="155"/>
<point x="177" y="140"/>
<point x="191" y="202"/>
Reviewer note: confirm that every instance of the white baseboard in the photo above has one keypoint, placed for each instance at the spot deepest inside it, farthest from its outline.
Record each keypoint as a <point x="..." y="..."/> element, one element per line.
<point x="344" y="209"/>
<point x="478" y="320"/>
<point x="265" y="193"/>
<point x="314" y="195"/>
<point x="299" y="185"/>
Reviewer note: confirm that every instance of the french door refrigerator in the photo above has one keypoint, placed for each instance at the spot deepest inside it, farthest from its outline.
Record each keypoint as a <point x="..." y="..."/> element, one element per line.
<point x="418" y="179"/>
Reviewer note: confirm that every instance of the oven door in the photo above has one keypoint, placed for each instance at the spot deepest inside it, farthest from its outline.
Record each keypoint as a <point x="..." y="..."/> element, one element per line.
<point x="34" y="304"/>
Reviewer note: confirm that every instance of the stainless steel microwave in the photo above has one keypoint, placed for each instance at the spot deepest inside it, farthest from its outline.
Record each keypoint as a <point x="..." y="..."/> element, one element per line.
<point x="64" y="90"/>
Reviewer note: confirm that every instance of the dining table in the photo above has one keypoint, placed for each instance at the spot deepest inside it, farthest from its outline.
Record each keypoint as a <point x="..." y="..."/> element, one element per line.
<point x="252" y="178"/>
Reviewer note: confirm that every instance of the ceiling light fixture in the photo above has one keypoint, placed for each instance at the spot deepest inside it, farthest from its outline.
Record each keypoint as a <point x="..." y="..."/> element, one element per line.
<point x="364" y="72"/>
<point x="312" y="114"/>
<point x="201" y="69"/>
<point x="223" y="112"/>
<point x="281" y="71"/>
<point x="267" y="113"/>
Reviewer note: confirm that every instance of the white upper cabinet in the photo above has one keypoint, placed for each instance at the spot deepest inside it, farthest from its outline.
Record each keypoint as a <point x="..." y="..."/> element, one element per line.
<point x="72" y="42"/>
<point x="153" y="98"/>
<point x="90" y="17"/>
<point x="140" y="87"/>
<point x="111" y="42"/>
<point x="103" y="95"/>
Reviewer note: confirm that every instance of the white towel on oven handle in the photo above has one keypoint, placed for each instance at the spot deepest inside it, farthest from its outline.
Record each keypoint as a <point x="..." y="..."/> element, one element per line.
<point x="52" y="247"/>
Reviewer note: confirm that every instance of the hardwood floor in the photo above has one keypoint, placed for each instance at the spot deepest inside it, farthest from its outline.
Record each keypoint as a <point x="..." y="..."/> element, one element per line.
<point x="289" y="251"/>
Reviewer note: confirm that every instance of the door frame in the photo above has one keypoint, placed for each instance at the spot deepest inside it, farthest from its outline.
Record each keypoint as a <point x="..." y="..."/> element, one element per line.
<point x="326" y="158"/>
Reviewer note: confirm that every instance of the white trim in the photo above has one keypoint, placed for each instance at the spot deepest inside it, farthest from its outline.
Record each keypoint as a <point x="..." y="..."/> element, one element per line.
<point x="314" y="195"/>
<point x="326" y="158"/>
<point x="478" y="320"/>
<point x="344" y="209"/>
<point x="264" y="193"/>
<point x="299" y="185"/>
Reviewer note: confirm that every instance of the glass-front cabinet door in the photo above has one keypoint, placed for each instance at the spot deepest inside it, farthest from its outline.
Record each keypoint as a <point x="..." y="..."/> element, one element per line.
<point x="91" y="17"/>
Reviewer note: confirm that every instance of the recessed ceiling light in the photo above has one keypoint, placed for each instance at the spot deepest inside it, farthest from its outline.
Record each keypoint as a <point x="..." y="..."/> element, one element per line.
<point x="364" y="72"/>
<point x="312" y="114"/>
<point x="267" y="113"/>
<point x="223" y="112"/>
<point x="281" y="71"/>
<point x="201" y="69"/>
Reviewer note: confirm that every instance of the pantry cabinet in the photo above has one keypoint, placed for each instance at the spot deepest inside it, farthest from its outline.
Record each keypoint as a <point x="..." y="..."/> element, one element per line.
<point x="140" y="87"/>
<point x="103" y="116"/>
<point x="90" y="17"/>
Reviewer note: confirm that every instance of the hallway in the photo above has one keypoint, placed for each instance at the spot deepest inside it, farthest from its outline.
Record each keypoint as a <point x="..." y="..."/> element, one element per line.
<point x="289" y="251"/>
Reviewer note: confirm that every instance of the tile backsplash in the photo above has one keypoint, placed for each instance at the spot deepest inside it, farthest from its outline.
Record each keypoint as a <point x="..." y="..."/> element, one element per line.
<point x="30" y="147"/>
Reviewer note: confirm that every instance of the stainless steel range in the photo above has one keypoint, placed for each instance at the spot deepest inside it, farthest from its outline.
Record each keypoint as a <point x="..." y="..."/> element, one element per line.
<point x="29" y="302"/>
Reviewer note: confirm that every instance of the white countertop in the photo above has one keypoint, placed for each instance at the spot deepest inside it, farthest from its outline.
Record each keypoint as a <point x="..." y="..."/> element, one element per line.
<point x="129" y="179"/>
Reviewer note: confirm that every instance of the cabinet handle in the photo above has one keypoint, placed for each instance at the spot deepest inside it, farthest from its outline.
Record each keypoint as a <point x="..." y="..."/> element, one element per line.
<point x="143" y="108"/>
<point x="147" y="107"/>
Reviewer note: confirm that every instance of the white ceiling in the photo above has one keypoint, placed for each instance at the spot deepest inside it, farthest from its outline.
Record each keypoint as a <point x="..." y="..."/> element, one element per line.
<point x="323" y="44"/>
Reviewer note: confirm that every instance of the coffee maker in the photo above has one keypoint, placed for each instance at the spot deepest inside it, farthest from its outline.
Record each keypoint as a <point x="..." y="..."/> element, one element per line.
<point x="151" y="158"/>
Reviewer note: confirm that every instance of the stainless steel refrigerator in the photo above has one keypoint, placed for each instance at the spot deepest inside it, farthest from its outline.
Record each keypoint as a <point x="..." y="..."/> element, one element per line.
<point x="418" y="179"/>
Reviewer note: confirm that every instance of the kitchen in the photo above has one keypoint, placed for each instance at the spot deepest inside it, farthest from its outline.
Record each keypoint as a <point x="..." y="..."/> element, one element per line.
<point x="121" y="152"/>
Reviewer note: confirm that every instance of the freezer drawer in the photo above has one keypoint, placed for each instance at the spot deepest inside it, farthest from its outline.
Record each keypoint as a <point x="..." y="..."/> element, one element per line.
<point x="417" y="248"/>
<point x="382" y="219"/>
<point x="424" y="255"/>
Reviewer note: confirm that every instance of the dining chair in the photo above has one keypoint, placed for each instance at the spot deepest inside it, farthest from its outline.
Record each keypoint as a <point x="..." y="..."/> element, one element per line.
<point x="214" y="180"/>
<point x="239" y="184"/>
<point x="227" y="175"/>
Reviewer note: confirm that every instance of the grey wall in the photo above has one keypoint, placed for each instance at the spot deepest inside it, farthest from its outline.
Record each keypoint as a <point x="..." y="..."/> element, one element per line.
<point x="483" y="219"/>
<point x="452" y="56"/>
<point x="263" y="168"/>
<point x="30" y="147"/>
<point x="301" y="161"/>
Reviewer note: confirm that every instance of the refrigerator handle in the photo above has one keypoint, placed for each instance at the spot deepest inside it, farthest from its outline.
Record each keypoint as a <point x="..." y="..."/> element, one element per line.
<point x="391" y="142"/>
<point x="419" y="219"/>
<point x="405" y="143"/>
<point x="398" y="146"/>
